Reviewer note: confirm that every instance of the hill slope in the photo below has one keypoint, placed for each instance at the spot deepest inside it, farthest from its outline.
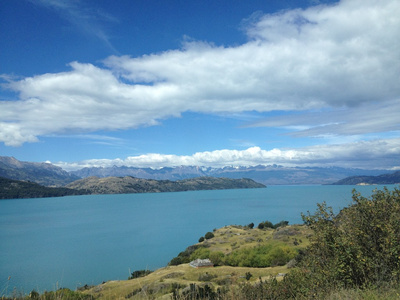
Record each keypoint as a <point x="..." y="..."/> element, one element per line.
<point x="16" y="189"/>
<point x="164" y="282"/>
<point x="42" y="173"/>
<point x="128" y="184"/>
<point x="393" y="178"/>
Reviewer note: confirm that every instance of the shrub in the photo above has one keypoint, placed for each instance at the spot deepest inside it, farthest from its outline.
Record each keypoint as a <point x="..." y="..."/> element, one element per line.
<point x="206" y="277"/>
<point x="361" y="245"/>
<point x="248" y="275"/>
<point x="281" y="224"/>
<point x="261" y="256"/>
<point x="217" y="258"/>
<point x="139" y="273"/>
<point x="201" y="239"/>
<point x="265" y="224"/>
<point x="209" y="235"/>
<point x="356" y="252"/>
<point x="184" y="256"/>
<point x="201" y="253"/>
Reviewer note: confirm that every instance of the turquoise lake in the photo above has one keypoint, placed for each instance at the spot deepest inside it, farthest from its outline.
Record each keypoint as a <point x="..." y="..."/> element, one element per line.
<point x="49" y="243"/>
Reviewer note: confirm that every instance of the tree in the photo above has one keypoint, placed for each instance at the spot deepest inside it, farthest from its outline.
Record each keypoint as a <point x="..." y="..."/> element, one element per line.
<point x="209" y="235"/>
<point x="265" y="224"/>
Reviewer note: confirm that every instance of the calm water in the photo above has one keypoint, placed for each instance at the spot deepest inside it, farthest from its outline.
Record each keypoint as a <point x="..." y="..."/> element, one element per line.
<point x="50" y="243"/>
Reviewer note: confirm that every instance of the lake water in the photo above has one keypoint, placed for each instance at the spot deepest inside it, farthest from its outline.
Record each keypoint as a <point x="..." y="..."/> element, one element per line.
<point x="50" y="243"/>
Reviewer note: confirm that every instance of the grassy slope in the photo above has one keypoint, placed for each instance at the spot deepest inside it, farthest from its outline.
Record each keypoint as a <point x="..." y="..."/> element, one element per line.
<point x="227" y="239"/>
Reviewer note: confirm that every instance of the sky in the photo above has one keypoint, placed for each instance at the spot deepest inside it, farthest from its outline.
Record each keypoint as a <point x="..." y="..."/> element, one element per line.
<point x="150" y="83"/>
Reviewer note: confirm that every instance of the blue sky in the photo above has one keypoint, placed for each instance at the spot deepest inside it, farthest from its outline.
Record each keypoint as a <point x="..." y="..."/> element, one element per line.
<point x="208" y="83"/>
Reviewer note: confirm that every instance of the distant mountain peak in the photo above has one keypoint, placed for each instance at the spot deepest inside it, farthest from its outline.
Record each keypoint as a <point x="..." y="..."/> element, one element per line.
<point x="42" y="173"/>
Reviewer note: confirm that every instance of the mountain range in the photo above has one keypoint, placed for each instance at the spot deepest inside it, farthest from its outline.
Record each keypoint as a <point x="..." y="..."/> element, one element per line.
<point x="50" y="175"/>
<point x="42" y="173"/>
<point x="267" y="175"/>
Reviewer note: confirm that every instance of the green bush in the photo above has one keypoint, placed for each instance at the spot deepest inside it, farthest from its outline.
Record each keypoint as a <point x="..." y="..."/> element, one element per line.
<point x="261" y="256"/>
<point x="359" y="246"/>
<point x="265" y="224"/>
<point x="201" y="253"/>
<point x="281" y="224"/>
<point x="139" y="273"/>
<point x="217" y="258"/>
<point x="185" y="256"/>
<point x="209" y="235"/>
<point x="355" y="253"/>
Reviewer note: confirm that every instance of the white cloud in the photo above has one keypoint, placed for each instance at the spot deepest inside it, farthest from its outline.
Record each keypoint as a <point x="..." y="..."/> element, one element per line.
<point x="346" y="121"/>
<point x="362" y="155"/>
<point x="344" y="55"/>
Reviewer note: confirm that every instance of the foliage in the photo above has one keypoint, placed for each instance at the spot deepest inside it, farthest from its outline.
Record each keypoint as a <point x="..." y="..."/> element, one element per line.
<point x="185" y="256"/>
<point x="209" y="235"/>
<point x="14" y="189"/>
<point x="281" y="224"/>
<point x="248" y="276"/>
<point x="65" y="294"/>
<point x="199" y="292"/>
<point x="361" y="245"/>
<point x="268" y="224"/>
<point x="265" y="224"/>
<point x="355" y="250"/>
<point x="139" y="273"/>
<point x="201" y="239"/>
<point x="261" y="256"/>
<point x="201" y="253"/>
<point x="217" y="258"/>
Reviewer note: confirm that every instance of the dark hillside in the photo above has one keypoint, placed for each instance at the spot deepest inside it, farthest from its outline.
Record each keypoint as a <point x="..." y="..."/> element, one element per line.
<point x="128" y="184"/>
<point x="393" y="178"/>
<point x="14" y="189"/>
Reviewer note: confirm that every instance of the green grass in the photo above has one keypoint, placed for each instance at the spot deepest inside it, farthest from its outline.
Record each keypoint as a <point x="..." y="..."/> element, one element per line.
<point x="161" y="282"/>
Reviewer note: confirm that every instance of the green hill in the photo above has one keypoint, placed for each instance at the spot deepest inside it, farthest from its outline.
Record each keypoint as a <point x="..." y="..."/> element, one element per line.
<point x="128" y="184"/>
<point x="13" y="189"/>
<point x="179" y="279"/>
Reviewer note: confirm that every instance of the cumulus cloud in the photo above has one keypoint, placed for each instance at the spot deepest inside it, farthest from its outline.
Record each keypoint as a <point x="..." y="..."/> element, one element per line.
<point x="351" y="155"/>
<point x="338" y="56"/>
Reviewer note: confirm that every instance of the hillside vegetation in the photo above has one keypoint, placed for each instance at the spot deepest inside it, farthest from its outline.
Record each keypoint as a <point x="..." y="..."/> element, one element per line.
<point x="390" y="178"/>
<point x="13" y="189"/>
<point x="16" y="189"/>
<point x="128" y="184"/>
<point x="226" y="242"/>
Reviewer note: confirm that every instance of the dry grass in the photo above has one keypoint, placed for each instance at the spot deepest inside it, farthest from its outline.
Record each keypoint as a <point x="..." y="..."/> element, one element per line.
<point x="158" y="285"/>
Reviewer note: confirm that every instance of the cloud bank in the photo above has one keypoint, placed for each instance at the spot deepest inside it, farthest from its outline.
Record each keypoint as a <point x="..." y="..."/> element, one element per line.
<point x="341" y="58"/>
<point x="350" y="155"/>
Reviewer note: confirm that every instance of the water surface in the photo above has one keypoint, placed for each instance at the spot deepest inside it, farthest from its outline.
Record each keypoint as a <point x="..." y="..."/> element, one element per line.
<point x="50" y="243"/>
